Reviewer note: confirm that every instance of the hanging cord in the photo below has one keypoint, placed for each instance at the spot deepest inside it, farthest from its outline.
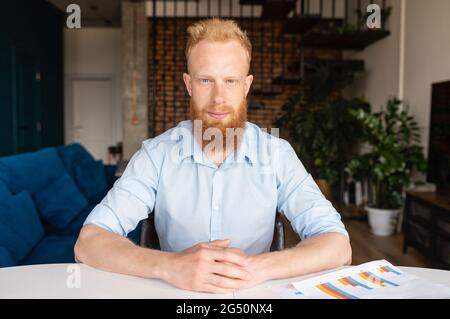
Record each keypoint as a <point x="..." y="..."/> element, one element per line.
<point x="134" y="117"/>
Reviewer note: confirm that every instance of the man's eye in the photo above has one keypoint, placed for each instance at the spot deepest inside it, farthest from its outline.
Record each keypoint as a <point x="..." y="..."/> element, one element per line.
<point x="204" y="81"/>
<point x="231" y="81"/>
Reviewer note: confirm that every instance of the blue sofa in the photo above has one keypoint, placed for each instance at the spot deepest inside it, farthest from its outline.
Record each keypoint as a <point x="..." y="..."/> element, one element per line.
<point x="45" y="196"/>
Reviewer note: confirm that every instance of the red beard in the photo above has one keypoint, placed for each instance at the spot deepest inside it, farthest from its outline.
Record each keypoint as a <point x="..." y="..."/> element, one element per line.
<point x="236" y="119"/>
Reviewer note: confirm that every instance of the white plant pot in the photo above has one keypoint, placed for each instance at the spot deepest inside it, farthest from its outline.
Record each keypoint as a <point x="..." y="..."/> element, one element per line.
<point x="383" y="221"/>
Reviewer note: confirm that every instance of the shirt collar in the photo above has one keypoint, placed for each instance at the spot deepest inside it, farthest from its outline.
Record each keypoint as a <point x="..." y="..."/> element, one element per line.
<point x="247" y="150"/>
<point x="189" y="147"/>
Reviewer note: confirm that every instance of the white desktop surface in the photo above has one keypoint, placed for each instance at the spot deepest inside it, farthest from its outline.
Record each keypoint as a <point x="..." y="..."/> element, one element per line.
<point x="53" y="281"/>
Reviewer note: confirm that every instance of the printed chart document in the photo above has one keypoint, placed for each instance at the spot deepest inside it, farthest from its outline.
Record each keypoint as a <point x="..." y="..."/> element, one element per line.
<point x="373" y="280"/>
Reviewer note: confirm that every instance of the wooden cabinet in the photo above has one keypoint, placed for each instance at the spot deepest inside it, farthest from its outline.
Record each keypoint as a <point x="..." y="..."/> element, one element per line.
<point x="427" y="226"/>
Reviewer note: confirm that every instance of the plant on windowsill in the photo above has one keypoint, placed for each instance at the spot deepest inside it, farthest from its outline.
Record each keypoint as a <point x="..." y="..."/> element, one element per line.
<point x="394" y="152"/>
<point x="324" y="138"/>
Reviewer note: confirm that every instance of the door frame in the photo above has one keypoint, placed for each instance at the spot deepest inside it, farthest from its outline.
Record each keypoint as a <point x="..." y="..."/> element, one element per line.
<point x="69" y="111"/>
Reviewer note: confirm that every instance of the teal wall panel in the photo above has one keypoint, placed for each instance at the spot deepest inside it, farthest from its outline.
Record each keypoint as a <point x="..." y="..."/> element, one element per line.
<point x="31" y="40"/>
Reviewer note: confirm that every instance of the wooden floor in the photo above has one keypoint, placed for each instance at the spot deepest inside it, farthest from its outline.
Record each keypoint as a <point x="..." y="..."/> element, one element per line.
<point x="367" y="247"/>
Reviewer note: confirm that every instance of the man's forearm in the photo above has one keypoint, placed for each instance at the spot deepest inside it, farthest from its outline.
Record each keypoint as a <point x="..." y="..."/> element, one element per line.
<point x="110" y="252"/>
<point x="195" y="268"/>
<point x="315" y="254"/>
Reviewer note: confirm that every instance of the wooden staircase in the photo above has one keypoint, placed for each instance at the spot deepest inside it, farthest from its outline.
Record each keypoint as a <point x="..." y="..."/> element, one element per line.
<point x="315" y="31"/>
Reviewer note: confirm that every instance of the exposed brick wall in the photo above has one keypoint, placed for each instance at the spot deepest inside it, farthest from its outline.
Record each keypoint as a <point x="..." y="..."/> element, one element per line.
<point x="273" y="52"/>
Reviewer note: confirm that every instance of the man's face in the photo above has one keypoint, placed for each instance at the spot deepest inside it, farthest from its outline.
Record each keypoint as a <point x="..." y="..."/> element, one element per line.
<point x="218" y="84"/>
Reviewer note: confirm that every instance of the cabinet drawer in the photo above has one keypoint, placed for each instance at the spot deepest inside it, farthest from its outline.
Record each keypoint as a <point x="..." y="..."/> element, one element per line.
<point x="421" y="211"/>
<point x="444" y="225"/>
<point x="443" y="250"/>
<point x="418" y="234"/>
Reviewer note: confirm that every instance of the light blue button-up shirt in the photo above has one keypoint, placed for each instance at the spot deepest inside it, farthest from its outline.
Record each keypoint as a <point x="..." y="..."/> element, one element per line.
<point x="194" y="200"/>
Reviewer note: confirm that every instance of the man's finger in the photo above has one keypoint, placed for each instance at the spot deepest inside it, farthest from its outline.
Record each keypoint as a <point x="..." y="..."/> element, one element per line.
<point x="229" y="270"/>
<point x="235" y="250"/>
<point x="230" y="256"/>
<point x="225" y="282"/>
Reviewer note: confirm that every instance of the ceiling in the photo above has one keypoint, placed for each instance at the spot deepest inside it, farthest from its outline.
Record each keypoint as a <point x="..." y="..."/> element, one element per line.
<point x="95" y="13"/>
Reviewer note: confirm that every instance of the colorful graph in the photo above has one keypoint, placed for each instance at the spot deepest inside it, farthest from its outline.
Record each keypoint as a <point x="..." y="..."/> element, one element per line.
<point x="354" y="283"/>
<point x="388" y="269"/>
<point x="371" y="277"/>
<point x="335" y="292"/>
<point x="376" y="280"/>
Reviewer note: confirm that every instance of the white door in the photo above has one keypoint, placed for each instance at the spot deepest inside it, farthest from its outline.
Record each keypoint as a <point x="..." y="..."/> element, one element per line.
<point x="93" y="115"/>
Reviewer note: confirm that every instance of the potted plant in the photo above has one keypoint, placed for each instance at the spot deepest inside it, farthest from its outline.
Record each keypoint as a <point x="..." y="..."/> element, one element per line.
<point x="393" y="153"/>
<point x="324" y="137"/>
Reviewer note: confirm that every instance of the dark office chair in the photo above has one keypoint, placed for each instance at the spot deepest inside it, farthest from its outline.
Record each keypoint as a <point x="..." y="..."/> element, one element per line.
<point x="149" y="237"/>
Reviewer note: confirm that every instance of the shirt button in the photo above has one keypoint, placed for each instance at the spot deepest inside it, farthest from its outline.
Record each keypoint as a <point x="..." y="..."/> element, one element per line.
<point x="216" y="207"/>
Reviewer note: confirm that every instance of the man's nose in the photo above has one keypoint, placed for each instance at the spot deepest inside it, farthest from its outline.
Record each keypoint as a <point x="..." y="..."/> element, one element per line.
<point x="219" y="97"/>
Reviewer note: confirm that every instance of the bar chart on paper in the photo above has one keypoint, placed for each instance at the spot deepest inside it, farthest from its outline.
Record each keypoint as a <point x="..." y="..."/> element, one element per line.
<point x="376" y="279"/>
<point x="357" y="285"/>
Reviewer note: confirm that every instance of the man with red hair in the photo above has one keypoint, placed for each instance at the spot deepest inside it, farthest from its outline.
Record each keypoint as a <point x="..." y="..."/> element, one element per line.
<point x="215" y="183"/>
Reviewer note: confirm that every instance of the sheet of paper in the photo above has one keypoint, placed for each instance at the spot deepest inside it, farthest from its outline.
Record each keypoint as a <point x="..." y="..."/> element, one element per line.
<point x="373" y="280"/>
<point x="287" y="291"/>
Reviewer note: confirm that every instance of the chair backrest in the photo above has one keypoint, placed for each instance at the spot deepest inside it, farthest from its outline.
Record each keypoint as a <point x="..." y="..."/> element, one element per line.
<point x="149" y="237"/>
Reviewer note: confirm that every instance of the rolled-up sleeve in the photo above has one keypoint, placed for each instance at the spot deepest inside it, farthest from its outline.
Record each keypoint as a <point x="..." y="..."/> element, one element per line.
<point x="131" y="198"/>
<point x="300" y="199"/>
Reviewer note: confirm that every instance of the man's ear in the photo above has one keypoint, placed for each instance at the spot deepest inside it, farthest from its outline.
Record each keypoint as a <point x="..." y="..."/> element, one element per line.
<point x="248" y="83"/>
<point x="187" y="82"/>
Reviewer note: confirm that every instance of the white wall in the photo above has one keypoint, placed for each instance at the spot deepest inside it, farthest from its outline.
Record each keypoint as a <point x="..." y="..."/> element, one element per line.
<point x="93" y="52"/>
<point x="426" y="59"/>
<point x="427" y="55"/>
<point x="381" y="61"/>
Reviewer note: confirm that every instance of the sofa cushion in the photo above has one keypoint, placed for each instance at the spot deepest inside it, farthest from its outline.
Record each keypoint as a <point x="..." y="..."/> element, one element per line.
<point x="110" y="173"/>
<point x="50" y="250"/>
<point x="98" y="198"/>
<point x="60" y="202"/>
<point x="31" y="171"/>
<point x="73" y="155"/>
<point x="91" y="179"/>
<point x="12" y="241"/>
<point x="20" y="227"/>
<point x="6" y="258"/>
<point x="75" y="225"/>
<point x="4" y="192"/>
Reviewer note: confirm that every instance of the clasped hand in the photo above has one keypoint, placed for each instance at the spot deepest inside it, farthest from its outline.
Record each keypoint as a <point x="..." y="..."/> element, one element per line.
<point x="212" y="267"/>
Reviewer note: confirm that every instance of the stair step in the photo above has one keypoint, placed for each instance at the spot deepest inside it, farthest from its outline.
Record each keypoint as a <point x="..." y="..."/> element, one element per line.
<point x="277" y="9"/>
<point x="293" y="75"/>
<point x="249" y="2"/>
<point x="356" y="65"/>
<point x="329" y="24"/>
<point x="300" y="24"/>
<point x="272" y="9"/>
<point x="287" y="79"/>
<point x="356" y="40"/>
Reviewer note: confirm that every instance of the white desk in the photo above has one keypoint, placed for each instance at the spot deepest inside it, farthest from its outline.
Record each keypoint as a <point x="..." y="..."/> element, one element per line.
<point x="51" y="281"/>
